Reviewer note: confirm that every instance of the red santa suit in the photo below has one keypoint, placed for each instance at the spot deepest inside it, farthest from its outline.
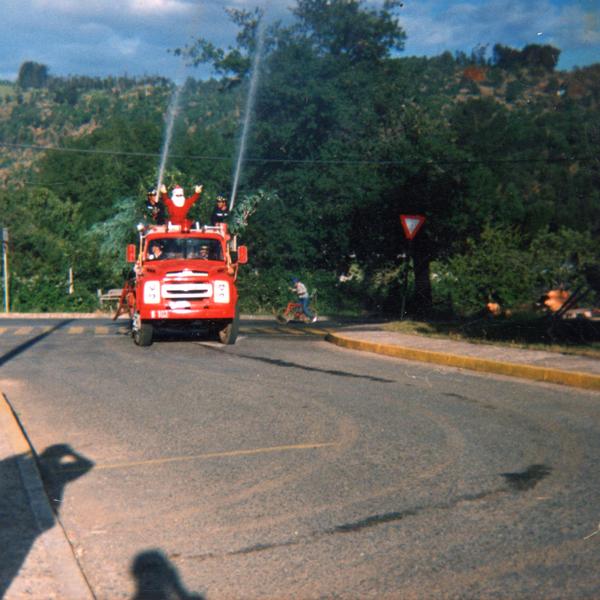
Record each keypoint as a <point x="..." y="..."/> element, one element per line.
<point x="178" y="205"/>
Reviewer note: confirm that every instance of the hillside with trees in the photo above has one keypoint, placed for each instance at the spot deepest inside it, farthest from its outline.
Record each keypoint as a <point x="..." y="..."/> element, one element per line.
<point x="498" y="152"/>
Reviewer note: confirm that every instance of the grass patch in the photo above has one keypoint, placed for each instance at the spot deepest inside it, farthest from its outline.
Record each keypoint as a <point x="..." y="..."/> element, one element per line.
<point x="6" y="89"/>
<point x="578" y="336"/>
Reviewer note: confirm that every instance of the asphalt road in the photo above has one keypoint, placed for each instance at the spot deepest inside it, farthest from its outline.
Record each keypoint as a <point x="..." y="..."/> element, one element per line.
<point x="285" y="467"/>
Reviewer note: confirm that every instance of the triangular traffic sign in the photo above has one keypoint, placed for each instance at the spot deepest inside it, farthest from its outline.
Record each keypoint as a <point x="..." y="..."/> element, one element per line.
<point x="411" y="225"/>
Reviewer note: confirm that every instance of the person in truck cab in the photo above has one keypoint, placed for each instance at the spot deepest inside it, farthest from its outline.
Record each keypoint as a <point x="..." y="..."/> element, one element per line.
<point x="178" y="205"/>
<point x="156" y="251"/>
<point x="203" y="254"/>
<point x="220" y="212"/>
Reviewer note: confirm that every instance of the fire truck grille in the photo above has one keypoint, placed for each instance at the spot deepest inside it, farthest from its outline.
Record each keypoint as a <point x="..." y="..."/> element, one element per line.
<point x="185" y="273"/>
<point x="186" y="291"/>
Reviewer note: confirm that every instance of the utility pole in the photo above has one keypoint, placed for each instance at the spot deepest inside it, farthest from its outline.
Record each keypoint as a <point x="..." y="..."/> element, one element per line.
<point x="5" y="267"/>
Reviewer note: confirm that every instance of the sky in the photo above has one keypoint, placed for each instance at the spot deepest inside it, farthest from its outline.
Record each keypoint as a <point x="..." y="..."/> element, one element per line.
<point x="133" y="37"/>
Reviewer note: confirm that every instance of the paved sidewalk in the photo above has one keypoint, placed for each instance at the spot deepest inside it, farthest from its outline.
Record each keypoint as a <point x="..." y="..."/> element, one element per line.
<point x="539" y="365"/>
<point x="36" y="560"/>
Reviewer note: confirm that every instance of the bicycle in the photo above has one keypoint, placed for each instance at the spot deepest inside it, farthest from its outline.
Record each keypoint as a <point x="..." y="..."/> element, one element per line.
<point x="293" y="312"/>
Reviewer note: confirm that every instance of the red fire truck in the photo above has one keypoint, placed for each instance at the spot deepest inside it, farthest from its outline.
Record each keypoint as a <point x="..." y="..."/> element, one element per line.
<point x="183" y="277"/>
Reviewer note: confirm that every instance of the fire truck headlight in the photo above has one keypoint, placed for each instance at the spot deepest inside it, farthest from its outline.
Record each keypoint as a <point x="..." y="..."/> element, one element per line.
<point x="221" y="292"/>
<point x="152" y="292"/>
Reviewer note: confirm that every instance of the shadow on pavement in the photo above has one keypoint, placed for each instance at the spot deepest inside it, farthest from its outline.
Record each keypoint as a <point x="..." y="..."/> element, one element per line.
<point x="59" y="465"/>
<point x="157" y="579"/>
<point x="277" y="362"/>
<point x="21" y="524"/>
<point x="31" y="342"/>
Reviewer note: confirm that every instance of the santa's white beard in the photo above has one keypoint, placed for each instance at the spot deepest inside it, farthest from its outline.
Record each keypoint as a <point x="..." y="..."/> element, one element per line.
<point x="178" y="201"/>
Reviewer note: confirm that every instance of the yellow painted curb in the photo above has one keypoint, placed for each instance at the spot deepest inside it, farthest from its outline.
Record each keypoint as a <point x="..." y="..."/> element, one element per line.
<point x="572" y="378"/>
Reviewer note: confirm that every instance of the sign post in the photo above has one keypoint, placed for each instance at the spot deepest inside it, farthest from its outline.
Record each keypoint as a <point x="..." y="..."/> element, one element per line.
<point x="4" y="232"/>
<point x="411" y="225"/>
<point x="406" y="257"/>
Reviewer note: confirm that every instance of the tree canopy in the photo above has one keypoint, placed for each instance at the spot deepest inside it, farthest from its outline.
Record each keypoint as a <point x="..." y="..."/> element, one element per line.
<point x="32" y="75"/>
<point x="346" y="135"/>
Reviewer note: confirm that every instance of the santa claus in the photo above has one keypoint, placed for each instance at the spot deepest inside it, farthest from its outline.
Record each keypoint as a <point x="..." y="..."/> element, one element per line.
<point x="178" y="205"/>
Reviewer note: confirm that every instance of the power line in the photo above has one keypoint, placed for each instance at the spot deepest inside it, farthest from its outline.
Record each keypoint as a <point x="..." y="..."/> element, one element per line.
<point x="539" y="159"/>
<point x="109" y="152"/>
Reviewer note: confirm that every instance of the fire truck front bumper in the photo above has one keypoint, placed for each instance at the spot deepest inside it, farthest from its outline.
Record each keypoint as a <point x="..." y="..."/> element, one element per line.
<point x="183" y="310"/>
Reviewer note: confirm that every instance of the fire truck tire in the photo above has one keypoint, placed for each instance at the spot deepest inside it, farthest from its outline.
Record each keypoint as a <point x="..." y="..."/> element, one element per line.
<point x="228" y="334"/>
<point x="142" y="335"/>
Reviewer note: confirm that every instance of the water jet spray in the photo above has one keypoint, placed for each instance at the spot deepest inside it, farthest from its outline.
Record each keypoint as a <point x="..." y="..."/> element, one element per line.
<point x="248" y="111"/>
<point x="171" y="114"/>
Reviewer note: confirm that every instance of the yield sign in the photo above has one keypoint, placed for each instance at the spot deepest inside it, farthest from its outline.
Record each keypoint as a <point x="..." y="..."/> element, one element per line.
<point x="411" y="225"/>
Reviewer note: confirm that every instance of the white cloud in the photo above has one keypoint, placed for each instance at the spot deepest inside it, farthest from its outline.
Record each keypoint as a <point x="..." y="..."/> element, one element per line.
<point x="126" y="47"/>
<point x="159" y="7"/>
<point x="581" y="26"/>
<point x="69" y="7"/>
<point x="114" y="9"/>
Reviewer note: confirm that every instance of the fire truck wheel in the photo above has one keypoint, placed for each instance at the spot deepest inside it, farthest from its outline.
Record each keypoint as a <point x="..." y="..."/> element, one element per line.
<point x="142" y="332"/>
<point x="229" y="333"/>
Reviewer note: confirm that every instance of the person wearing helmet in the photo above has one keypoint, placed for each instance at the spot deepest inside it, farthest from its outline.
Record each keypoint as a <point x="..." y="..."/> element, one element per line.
<point x="220" y="212"/>
<point x="155" y="207"/>
<point x="300" y="290"/>
<point x="178" y="205"/>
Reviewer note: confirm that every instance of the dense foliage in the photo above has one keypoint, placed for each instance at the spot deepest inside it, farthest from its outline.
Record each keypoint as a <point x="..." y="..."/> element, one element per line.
<point x="499" y="154"/>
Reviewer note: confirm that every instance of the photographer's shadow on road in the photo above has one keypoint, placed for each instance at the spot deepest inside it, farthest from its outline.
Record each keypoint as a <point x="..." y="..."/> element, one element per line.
<point x="60" y="465"/>
<point x="23" y="516"/>
<point x="157" y="579"/>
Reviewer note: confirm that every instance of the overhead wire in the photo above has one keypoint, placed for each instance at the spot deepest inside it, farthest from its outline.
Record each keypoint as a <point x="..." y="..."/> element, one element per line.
<point x="485" y="160"/>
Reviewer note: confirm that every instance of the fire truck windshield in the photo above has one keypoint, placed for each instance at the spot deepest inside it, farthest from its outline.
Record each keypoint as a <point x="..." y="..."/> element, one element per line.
<point x="184" y="247"/>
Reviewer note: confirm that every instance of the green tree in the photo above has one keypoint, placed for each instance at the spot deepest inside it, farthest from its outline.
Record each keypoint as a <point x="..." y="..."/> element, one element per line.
<point x="32" y="75"/>
<point x="534" y="56"/>
<point x="104" y="166"/>
<point x="314" y="75"/>
<point x="45" y="244"/>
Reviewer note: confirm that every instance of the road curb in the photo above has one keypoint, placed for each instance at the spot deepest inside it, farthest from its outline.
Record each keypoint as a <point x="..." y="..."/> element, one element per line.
<point x="68" y="577"/>
<point x="65" y="315"/>
<point x="570" y="378"/>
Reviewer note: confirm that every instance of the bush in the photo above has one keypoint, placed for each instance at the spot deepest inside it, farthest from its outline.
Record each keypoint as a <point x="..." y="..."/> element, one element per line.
<point x="268" y="291"/>
<point x="262" y="291"/>
<point x="494" y="268"/>
<point x="499" y="267"/>
<point x="47" y="293"/>
<point x="561" y="257"/>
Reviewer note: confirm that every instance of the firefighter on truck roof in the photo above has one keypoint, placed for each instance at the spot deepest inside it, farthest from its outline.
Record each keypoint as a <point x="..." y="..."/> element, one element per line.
<point x="220" y="211"/>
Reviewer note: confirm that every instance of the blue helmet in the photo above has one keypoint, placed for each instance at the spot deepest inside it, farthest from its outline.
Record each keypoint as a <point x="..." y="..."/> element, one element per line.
<point x="295" y="280"/>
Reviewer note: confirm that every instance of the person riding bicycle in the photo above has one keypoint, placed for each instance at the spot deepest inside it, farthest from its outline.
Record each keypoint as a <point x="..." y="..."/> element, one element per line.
<point x="300" y="290"/>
